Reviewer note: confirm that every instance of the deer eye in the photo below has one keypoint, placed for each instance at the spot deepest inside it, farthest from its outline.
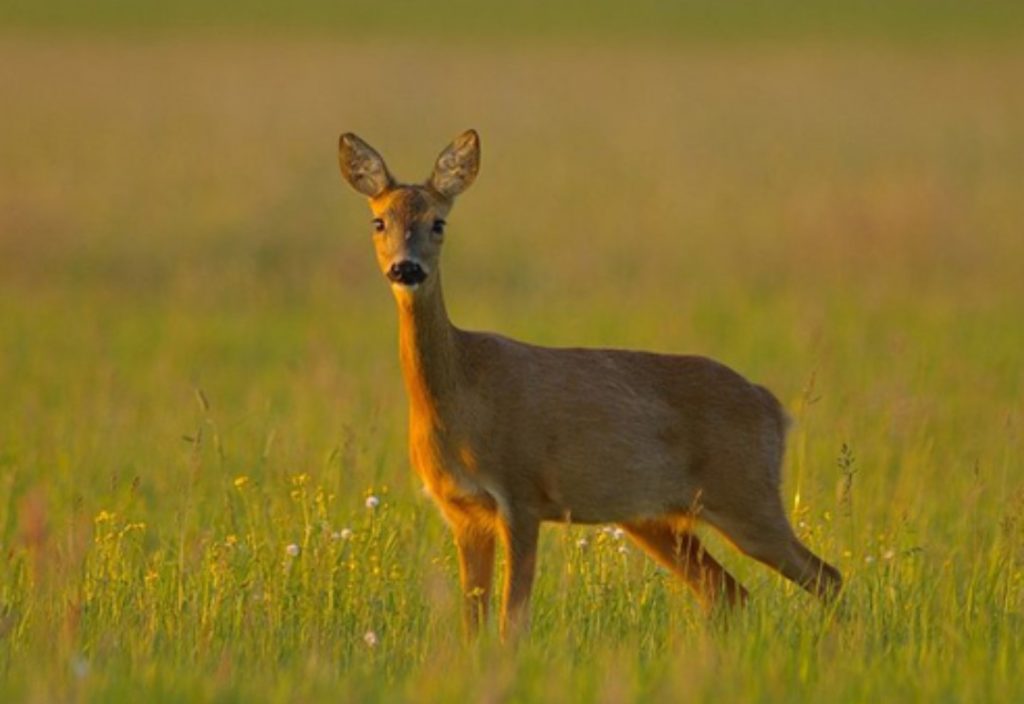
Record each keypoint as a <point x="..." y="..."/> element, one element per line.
<point x="378" y="225"/>
<point x="438" y="228"/>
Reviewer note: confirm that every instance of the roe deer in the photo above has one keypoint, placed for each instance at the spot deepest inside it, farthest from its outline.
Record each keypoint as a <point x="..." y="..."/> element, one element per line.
<point x="506" y="434"/>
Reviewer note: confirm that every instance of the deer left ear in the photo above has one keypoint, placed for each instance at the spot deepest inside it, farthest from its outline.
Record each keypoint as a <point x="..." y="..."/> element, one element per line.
<point x="362" y="166"/>
<point x="457" y="165"/>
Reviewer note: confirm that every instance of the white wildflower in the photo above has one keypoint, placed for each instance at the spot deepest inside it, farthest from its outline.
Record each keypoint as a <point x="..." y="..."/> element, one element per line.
<point x="292" y="550"/>
<point x="79" y="666"/>
<point x="370" y="638"/>
<point x="372" y="502"/>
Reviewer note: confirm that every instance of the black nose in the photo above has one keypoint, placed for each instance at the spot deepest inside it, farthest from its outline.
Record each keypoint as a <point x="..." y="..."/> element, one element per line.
<point x="406" y="272"/>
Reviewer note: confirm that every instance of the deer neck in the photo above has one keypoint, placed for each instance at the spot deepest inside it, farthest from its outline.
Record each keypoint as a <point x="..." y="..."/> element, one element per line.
<point x="427" y="350"/>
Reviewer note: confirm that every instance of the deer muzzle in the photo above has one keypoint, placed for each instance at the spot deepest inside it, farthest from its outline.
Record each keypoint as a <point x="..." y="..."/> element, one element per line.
<point x="406" y="272"/>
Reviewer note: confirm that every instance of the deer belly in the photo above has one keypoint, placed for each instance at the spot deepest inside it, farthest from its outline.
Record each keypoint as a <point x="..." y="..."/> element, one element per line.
<point x="612" y="477"/>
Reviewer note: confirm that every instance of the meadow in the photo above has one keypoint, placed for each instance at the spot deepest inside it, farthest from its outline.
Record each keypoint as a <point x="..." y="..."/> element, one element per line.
<point x="204" y="486"/>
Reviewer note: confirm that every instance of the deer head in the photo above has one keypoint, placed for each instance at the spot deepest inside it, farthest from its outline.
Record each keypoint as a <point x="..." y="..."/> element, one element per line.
<point x="409" y="220"/>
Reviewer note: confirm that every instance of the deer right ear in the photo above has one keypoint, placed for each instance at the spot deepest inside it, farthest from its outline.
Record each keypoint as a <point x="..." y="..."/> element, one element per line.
<point x="362" y="167"/>
<point x="457" y="165"/>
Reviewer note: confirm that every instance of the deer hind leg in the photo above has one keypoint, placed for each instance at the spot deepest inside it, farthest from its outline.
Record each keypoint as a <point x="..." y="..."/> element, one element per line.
<point x="770" y="539"/>
<point x="682" y="552"/>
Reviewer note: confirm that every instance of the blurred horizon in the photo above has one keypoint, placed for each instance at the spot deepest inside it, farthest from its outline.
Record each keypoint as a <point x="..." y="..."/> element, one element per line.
<point x="463" y="21"/>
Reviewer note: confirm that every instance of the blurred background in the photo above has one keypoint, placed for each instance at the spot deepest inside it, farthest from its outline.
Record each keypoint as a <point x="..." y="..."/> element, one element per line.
<point x="162" y="146"/>
<point x="825" y="195"/>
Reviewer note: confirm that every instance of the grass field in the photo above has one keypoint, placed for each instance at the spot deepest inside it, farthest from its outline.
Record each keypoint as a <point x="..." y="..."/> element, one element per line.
<point x="199" y="386"/>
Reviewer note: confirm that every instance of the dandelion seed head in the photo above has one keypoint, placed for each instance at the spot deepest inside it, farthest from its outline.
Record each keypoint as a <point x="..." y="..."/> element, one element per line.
<point x="292" y="550"/>
<point x="372" y="502"/>
<point x="370" y="638"/>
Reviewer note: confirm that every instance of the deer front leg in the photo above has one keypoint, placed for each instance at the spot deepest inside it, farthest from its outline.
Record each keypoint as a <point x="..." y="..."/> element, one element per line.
<point x="520" y="534"/>
<point x="475" y="544"/>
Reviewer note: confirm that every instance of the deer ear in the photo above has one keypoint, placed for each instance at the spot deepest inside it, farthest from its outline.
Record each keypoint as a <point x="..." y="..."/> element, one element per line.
<point x="362" y="167"/>
<point x="457" y="165"/>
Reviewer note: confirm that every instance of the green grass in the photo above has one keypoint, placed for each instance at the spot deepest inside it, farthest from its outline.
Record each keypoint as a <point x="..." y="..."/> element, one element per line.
<point x="188" y="297"/>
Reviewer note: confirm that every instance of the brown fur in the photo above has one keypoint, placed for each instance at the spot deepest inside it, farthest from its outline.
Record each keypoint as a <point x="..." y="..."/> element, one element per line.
<point x="506" y="435"/>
